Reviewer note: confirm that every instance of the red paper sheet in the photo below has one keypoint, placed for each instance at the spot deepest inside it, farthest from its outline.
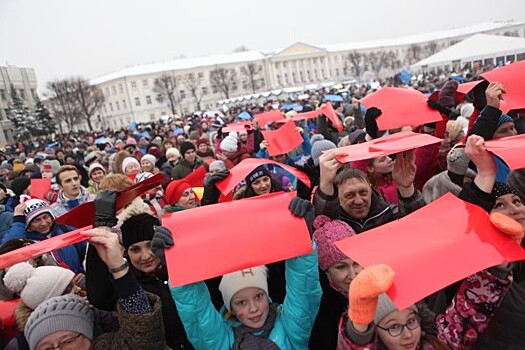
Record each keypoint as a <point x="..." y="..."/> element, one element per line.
<point x="510" y="149"/>
<point x="39" y="188"/>
<point x="241" y="170"/>
<point x="237" y="127"/>
<point x="271" y="116"/>
<point x="84" y="214"/>
<point x="39" y="248"/>
<point x="282" y="140"/>
<point x="218" y="246"/>
<point x="511" y="77"/>
<point x="330" y="113"/>
<point x="465" y="88"/>
<point x="398" y="142"/>
<point x="442" y="243"/>
<point x="196" y="177"/>
<point x="401" y="107"/>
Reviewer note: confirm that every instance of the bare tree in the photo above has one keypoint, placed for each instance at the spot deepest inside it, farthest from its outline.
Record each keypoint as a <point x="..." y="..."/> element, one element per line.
<point x="193" y="83"/>
<point x="89" y="99"/>
<point x="432" y="47"/>
<point x="224" y="79"/>
<point x="414" y="53"/>
<point x="241" y="48"/>
<point x="377" y="61"/>
<point x="62" y="103"/>
<point x="252" y="73"/>
<point x="165" y="88"/>
<point x="355" y="61"/>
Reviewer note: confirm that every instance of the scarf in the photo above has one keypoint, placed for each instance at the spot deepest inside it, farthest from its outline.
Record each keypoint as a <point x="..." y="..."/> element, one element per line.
<point x="245" y="339"/>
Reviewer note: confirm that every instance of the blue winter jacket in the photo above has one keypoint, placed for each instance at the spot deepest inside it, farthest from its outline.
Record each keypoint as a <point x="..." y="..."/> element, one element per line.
<point x="208" y="329"/>
<point x="72" y="255"/>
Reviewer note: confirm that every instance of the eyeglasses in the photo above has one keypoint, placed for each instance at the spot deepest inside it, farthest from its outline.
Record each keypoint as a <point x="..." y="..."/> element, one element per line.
<point x="397" y="329"/>
<point x="67" y="344"/>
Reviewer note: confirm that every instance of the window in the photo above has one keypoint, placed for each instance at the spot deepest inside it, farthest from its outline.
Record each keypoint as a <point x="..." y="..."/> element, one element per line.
<point x="148" y="100"/>
<point x="137" y="101"/>
<point x="124" y="104"/>
<point x="277" y="65"/>
<point x="105" y="109"/>
<point x="284" y="64"/>
<point x="244" y="85"/>
<point x="33" y="93"/>
<point x="2" y="95"/>
<point x="301" y="76"/>
<point x="182" y="94"/>
<point x="337" y="72"/>
<point x="204" y="90"/>
<point x="145" y="82"/>
<point x="114" y="90"/>
<point x="294" y="79"/>
<point x="117" y="105"/>
<point x="152" y="116"/>
<point x="286" y="78"/>
<point x="111" y="107"/>
<point x="201" y="75"/>
<point x="214" y="89"/>
<point x="120" y="89"/>
<point x="107" y="91"/>
<point x="133" y="84"/>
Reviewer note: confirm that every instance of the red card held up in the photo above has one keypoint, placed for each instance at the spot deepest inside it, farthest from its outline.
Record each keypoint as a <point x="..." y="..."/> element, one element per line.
<point x="39" y="188"/>
<point x="39" y="248"/>
<point x="237" y="127"/>
<point x="511" y="77"/>
<point x="196" y="177"/>
<point x="241" y="170"/>
<point x="84" y="214"/>
<point x="266" y="117"/>
<point x="400" y="107"/>
<point x="220" y="244"/>
<point x="433" y="247"/>
<point x="330" y="113"/>
<point x="358" y="151"/>
<point x="282" y="140"/>
<point x="510" y="149"/>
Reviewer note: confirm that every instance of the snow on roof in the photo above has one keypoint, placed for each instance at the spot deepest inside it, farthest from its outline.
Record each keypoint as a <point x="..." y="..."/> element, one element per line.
<point x="478" y="46"/>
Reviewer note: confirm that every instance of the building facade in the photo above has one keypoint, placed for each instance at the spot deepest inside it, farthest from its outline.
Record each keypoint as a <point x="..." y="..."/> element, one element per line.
<point x="25" y="84"/>
<point x="131" y="95"/>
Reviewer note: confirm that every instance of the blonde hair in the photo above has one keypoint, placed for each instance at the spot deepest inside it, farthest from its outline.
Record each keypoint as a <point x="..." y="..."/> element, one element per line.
<point x="115" y="182"/>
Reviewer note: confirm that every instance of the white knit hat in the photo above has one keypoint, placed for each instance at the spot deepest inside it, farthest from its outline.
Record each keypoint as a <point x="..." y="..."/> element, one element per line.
<point x="94" y="166"/>
<point x="35" y="207"/>
<point x="229" y="144"/>
<point x="149" y="158"/>
<point x="127" y="161"/>
<point x="36" y="285"/>
<point x="236" y="281"/>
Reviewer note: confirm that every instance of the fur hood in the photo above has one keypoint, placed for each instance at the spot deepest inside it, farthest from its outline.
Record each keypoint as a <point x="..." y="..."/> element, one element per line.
<point x="136" y="207"/>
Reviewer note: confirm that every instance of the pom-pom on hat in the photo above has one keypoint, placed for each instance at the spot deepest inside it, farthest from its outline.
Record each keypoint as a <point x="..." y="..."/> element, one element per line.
<point x="233" y="282"/>
<point x="35" y="285"/>
<point x="326" y="233"/>
<point x="175" y="190"/>
<point x="229" y="143"/>
<point x="36" y="207"/>
<point x="62" y="313"/>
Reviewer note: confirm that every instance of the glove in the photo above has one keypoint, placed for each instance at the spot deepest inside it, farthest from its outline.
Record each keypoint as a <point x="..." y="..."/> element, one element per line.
<point x="435" y="105"/>
<point x="370" y="121"/>
<point x="214" y="178"/>
<point x="508" y="226"/>
<point x="105" y="209"/>
<point x="365" y="290"/>
<point x="304" y="209"/>
<point x="161" y="240"/>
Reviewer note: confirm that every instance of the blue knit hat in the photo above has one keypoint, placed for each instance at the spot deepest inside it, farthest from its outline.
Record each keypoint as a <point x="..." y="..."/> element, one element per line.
<point x="504" y="119"/>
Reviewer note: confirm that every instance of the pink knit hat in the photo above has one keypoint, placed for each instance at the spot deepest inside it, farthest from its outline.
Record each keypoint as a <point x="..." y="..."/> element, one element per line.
<point x="327" y="232"/>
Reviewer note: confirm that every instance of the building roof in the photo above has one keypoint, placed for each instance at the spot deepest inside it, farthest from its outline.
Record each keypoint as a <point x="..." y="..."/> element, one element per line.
<point x="250" y="56"/>
<point x="476" y="47"/>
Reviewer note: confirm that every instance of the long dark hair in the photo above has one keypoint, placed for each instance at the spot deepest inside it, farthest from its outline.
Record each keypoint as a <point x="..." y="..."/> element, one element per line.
<point x="249" y="192"/>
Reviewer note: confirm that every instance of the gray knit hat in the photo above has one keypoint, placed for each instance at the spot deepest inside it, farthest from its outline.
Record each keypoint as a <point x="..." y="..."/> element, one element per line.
<point x="319" y="146"/>
<point x="218" y="165"/>
<point x="457" y="160"/>
<point x="62" y="313"/>
<point x="385" y="306"/>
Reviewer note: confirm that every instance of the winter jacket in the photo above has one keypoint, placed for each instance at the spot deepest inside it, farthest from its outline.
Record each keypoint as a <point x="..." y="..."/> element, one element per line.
<point x="6" y="219"/>
<point x="387" y="188"/>
<point x="460" y="326"/>
<point x="209" y="329"/>
<point x="241" y="154"/>
<point x="380" y="212"/>
<point x="72" y="255"/>
<point x="183" y="168"/>
<point x="63" y="204"/>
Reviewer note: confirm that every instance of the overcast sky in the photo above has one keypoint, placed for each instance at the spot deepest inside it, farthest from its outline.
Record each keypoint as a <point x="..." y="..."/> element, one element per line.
<point x="60" y="38"/>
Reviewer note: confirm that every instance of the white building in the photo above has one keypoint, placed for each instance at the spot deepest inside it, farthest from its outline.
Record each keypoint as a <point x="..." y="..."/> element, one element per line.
<point x="130" y="96"/>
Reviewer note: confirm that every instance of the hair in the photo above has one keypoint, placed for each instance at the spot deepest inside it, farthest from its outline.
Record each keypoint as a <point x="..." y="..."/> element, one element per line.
<point x="249" y="192"/>
<point x="65" y="168"/>
<point x="117" y="161"/>
<point x="348" y="173"/>
<point x="115" y="182"/>
<point x="375" y="178"/>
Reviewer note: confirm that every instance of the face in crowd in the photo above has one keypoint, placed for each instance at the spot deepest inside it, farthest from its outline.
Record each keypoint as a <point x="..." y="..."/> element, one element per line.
<point x="355" y="197"/>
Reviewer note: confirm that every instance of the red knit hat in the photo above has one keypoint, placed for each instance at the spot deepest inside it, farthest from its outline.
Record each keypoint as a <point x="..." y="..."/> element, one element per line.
<point x="175" y="190"/>
<point x="201" y="141"/>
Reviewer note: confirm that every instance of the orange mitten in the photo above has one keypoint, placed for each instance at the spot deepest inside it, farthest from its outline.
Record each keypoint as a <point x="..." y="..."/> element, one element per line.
<point x="365" y="290"/>
<point x="508" y="226"/>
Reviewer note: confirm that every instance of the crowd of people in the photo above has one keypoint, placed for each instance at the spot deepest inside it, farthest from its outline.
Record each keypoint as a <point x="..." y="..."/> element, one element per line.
<point x="112" y="290"/>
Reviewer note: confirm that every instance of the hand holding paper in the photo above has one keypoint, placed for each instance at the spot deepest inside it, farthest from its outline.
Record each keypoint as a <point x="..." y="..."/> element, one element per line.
<point x="485" y="163"/>
<point x="404" y="172"/>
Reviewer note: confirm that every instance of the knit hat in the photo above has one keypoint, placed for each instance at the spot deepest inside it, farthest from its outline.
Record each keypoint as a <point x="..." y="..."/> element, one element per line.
<point x="19" y="185"/>
<point x="315" y="138"/>
<point x="457" y="160"/>
<point x="175" y="190"/>
<point x="504" y="119"/>
<point x="143" y="176"/>
<point x="454" y="129"/>
<point x="35" y="285"/>
<point x="94" y="166"/>
<point x="131" y="141"/>
<point x="90" y="158"/>
<point x="6" y="166"/>
<point x="229" y="143"/>
<point x="385" y="306"/>
<point x="326" y="233"/>
<point x="138" y="228"/>
<point x="466" y="110"/>
<point x="256" y="173"/>
<point x="149" y="158"/>
<point x="129" y="160"/>
<point x="36" y="207"/>
<point x="18" y="166"/>
<point x="217" y="165"/>
<point x="202" y="141"/>
<point x="318" y="147"/>
<point x="517" y="180"/>
<point x="172" y="151"/>
<point x="51" y="165"/>
<point x="62" y="313"/>
<point x="185" y="147"/>
<point x="446" y="95"/>
<point x="501" y="189"/>
<point x="236" y="281"/>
